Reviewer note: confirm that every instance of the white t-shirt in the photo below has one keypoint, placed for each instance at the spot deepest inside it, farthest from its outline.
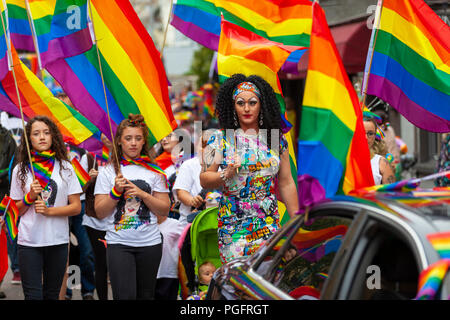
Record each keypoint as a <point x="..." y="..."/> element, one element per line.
<point x="188" y="179"/>
<point x="375" y="163"/>
<point x="36" y="230"/>
<point x="124" y="226"/>
<point x="171" y="230"/>
<point x="94" y="223"/>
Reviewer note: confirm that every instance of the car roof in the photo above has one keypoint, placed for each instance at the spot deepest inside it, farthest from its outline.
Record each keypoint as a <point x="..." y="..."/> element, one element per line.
<point x="430" y="205"/>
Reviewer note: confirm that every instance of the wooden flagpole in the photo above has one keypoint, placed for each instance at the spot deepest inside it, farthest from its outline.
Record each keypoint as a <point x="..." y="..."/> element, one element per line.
<point x="376" y="27"/>
<point x="34" y="36"/>
<point x="103" y="83"/>
<point x="9" y="52"/>
<point x="167" y="28"/>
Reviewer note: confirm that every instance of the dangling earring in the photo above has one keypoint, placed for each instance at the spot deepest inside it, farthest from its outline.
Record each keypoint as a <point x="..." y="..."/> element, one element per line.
<point x="261" y="119"/>
<point x="236" y="124"/>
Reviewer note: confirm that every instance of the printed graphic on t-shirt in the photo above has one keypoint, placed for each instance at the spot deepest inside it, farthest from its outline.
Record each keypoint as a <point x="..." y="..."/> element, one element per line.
<point x="49" y="193"/>
<point x="131" y="211"/>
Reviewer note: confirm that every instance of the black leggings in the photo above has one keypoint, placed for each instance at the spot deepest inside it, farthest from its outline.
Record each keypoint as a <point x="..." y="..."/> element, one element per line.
<point x="133" y="271"/>
<point x="101" y="269"/>
<point x="42" y="270"/>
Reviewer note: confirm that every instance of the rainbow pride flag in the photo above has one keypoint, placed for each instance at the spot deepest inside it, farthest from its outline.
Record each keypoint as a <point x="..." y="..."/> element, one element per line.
<point x="105" y="153"/>
<point x="37" y="99"/>
<point x="431" y="279"/>
<point x="9" y="211"/>
<point x="284" y="21"/>
<point x="332" y="145"/>
<point x="411" y="63"/>
<point x="441" y="243"/>
<point x="134" y="74"/>
<point x="60" y="27"/>
<point x="82" y="175"/>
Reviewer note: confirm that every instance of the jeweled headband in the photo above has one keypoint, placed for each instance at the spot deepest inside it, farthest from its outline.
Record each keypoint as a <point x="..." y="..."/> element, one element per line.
<point x="246" y="86"/>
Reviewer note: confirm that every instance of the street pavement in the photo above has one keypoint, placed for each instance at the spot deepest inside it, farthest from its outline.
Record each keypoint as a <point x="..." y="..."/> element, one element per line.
<point x="15" y="292"/>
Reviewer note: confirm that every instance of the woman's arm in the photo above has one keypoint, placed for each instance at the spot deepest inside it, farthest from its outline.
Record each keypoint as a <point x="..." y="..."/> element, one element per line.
<point x="72" y="209"/>
<point x="387" y="173"/>
<point x="189" y="200"/>
<point x="104" y="205"/>
<point x="286" y="185"/>
<point x="158" y="203"/>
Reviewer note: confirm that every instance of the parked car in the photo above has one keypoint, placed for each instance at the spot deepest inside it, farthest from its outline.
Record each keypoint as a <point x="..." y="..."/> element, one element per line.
<point x="370" y="247"/>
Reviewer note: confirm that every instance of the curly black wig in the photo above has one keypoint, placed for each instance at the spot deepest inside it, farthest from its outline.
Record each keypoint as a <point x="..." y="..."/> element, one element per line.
<point x="270" y="107"/>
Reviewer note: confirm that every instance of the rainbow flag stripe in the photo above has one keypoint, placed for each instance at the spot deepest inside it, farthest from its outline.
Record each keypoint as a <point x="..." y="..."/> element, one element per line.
<point x="332" y="143"/>
<point x="37" y="99"/>
<point x="58" y="32"/>
<point x="411" y="66"/>
<point x="431" y="279"/>
<point x="284" y="21"/>
<point x="10" y="212"/>
<point x="441" y="243"/>
<point x="82" y="175"/>
<point x="105" y="153"/>
<point x="134" y="74"/>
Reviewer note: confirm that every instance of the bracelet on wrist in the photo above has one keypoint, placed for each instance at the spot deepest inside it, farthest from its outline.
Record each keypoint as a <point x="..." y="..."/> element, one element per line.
<point x="27" y="200"/>
<point x="114" y="194"/>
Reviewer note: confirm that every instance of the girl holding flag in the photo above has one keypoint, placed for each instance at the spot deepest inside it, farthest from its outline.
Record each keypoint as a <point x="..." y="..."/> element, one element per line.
<point x="130" y="192"/>
<point x="44" y="204"/>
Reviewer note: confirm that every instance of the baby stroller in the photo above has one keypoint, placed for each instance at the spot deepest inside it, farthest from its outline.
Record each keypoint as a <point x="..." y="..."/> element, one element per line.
<point x="197" y="244"/>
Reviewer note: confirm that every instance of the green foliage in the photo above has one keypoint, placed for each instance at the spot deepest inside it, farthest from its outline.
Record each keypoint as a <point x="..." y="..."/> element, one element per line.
<point x="201" y="63"/>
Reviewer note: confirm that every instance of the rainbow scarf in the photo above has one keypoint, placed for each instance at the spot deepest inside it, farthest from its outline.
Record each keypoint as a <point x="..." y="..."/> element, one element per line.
<point x="145" y="162"/>
<point x="43" y="164"/>
<point x="9" y="210"/>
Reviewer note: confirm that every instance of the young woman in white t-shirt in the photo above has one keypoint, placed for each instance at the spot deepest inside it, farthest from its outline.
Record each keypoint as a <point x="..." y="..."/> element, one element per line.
<point x="130" y="197"/>
<point x="44" y="205"/>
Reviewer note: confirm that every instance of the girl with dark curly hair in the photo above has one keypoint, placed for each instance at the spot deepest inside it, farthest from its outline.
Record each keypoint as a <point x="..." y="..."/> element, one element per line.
<point x="251" y="153"/>
<point x="44" y="204"/>
<point x="130" y="192"/>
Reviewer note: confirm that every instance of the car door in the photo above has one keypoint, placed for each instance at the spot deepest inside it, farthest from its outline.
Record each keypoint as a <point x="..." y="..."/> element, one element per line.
<point x="385" y="263"/>
<point x="300" y="262"/>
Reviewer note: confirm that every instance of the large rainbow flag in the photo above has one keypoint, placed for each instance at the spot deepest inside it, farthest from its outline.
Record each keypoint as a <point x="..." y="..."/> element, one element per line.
<point x="60" y="27"/>
<point x="242" y="51"/>
<point x="284" y="21"/>
<point x="410" y="68"/>
<point x="37" y="99"/>
<point x="134" y="74"/>
<point x="332" y="145"/>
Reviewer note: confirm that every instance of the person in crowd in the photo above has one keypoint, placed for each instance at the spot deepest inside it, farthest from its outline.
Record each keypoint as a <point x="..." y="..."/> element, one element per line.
<point x="381" y="169"/>
<point x="389" y="135"/>
<point x="168" y="283"/>
<point x="45" y="202"/>
<point x="252" y="155"/>
<point x="187" y="184"/>
<point x="86" y="254"/>
<point x="130" y="192"/>
<point x="95" y="227"/>
<point x="8" y="149"/>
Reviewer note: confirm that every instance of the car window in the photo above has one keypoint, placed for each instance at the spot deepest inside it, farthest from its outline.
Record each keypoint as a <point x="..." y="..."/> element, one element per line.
<point x="299" y="263"/>
<point x="387" y="268"/>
